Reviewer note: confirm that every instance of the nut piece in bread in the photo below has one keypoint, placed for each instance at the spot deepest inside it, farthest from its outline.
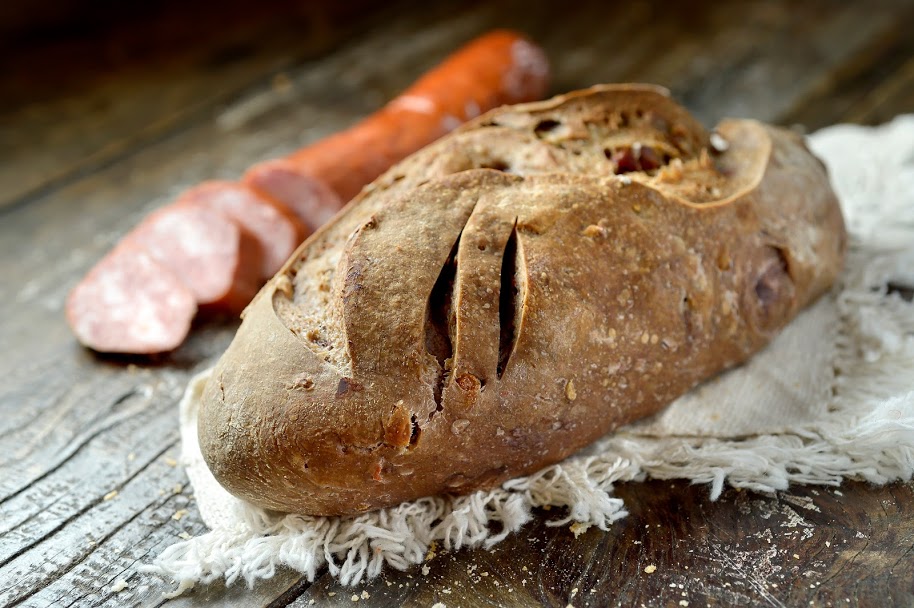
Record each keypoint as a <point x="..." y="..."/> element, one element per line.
<point x="509" y="294"/>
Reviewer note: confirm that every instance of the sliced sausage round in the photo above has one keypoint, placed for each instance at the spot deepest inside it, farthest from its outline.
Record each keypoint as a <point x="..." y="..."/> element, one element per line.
<point x="130" y="303"/>
<point x="214" y="257"/>
<point x="310" y="199"/>
<point x="277" y="231"/>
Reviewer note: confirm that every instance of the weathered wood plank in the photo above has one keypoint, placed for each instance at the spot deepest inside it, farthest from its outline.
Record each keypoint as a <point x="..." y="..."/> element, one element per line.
<point x="81" y="563"/>
<point x="57" y="139"/>
<point x="872" y="88"/>
<point x="809" y="546"/>
<point x="69" y="421"/>
<point x="98" y="92"/>
<point x="81" y="496"/>
<point x="882" y="104"/>
<point x="282" y="589"/>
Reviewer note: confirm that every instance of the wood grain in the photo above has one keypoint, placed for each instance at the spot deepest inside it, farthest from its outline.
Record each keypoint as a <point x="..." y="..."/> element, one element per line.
<point x="876" y="84"/>
<point x="789" y="549"/>
<point x="89" y="486"/>
<point x="113" y="81"/>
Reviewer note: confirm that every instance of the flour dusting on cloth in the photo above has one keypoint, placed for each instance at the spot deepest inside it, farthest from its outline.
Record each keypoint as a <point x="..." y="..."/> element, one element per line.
<point x="830" y="398"/>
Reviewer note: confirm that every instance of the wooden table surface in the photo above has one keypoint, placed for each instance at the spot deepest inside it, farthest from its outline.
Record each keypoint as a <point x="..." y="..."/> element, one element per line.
<point x="104" y="121"/>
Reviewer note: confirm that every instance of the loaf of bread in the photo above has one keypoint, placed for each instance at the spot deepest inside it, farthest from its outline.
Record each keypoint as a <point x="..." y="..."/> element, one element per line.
<point x="507" y="295"/>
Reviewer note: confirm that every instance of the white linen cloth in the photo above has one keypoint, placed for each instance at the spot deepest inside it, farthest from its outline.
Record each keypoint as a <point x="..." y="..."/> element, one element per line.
<point x="831" y="398"/>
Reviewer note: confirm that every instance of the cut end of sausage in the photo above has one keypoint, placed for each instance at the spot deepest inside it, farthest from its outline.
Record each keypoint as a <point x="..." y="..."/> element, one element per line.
<point x="215" y="258"/>
<point x="276" y="230"/>
<point x="312" y="201"/>
<point x="130" y="303"/>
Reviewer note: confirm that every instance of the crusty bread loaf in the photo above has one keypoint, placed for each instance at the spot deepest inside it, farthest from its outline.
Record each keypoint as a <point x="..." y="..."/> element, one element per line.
<point x="509" y="294"/>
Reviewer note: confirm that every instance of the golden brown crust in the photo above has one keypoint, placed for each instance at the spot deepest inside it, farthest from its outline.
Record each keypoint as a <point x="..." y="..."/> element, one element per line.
<point x="457" y="326"/>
